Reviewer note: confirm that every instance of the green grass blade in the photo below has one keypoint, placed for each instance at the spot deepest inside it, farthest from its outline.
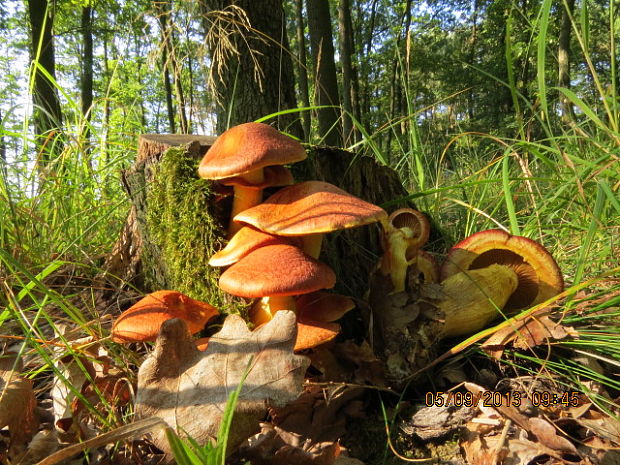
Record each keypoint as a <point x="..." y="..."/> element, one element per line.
<point x="510" y="206"/>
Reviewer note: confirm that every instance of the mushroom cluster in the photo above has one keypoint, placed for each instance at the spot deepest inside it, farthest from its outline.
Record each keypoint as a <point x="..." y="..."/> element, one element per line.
<point x="275" y="244"/>
<point x="485" y="275"/>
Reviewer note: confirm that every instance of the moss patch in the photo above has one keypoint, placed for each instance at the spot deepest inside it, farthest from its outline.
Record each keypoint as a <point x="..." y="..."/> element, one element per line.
<point x="184" y="227"/>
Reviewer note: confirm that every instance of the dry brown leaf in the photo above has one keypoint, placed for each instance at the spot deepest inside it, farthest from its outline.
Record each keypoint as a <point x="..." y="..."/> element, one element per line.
<point x="189" y="389"/>
<point x="546" y="433"/>
<point x="17" y="404"/>
<point x="523" y="334"/>
<point x="602" y="425"/>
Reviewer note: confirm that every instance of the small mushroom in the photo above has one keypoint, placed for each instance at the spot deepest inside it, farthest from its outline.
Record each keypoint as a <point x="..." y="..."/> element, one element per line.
<point x="275" y="273"/>
<point x="142" y="321"/>
<point x="310" y="209"/>
<point x="323" y="306"/>
<point x="242" y="153"/>
<point x="491" y="260"/>
<point x="405" y="232"/>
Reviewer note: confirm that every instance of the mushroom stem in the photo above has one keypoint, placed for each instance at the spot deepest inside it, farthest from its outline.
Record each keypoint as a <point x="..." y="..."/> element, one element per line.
<point x="265" y="309"/>
<point x="245" y="197"/>
<point x="312" y="244"/>
<point x="394" y="260"/>
<point x="474" y="298"/>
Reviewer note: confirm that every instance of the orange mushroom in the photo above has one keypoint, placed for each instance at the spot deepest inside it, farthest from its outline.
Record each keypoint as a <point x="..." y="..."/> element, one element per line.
<point x="142" y="321"/>
<point x="493" y="270"/>
<point x="275" y="273"/>
<point x="242" y="152"/>
<point x="310" y="209"/>
<point x="242" y="243"/>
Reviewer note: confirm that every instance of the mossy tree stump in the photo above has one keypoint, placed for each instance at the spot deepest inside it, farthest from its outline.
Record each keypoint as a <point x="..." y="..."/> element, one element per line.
<point x="179" y="220"/>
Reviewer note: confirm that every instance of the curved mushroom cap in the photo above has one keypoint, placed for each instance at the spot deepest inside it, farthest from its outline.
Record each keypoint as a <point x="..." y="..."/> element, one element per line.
<point x="248" y="147"/>
<point x="142" y="321"/>
<point x="242" y="243"/>
<point x="311" y="333"/>
<point x="539" y="276"/>
<point x="276" y="270"/>
<point x="310" y="207"/>
<point x="415" y="225"/>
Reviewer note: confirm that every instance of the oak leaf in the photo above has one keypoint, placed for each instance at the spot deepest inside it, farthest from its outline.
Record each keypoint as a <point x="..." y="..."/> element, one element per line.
<point x="17" y="403"/>
<point x="188" y="389"/>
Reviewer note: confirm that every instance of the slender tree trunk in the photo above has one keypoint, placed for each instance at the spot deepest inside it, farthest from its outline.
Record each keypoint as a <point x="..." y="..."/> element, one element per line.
<point x="48" y="115"/>
<point x="86" y="88"/>
<point x="302" y="68"/>
<point x="564" y="59"/>
<point x="326" y="83"/>
<point x="171" y="65"/>
<point x="259" y="80"/>
<point x="365" y="94"/>
<point x="346" y="52"/>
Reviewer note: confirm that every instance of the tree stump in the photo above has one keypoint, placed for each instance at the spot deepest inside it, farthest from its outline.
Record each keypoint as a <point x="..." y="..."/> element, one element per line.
<point x="178" y="220"/>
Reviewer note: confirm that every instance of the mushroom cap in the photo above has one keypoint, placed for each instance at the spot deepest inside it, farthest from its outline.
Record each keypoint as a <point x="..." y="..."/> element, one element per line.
<point x="248" y="147"/>
<point x="310" y="207"/>
<point x="142" y="321"/>
<point x="415" y="224"/>
<point x="540" y="278"/>
<point x="274" y="176"/>
<point x="242" y="243"/>
<point x="323" y="306"/>
<point x="311" y="333"/>
<point x="276" y="270"/>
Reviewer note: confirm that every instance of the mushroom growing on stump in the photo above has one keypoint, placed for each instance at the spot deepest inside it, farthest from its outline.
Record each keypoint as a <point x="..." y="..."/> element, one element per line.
<point x="242" y="152"/>
<point x="310" y="209"/>
<point x="491" y="261"/>
<point x="142" y="321"/>
<point x="405" y="232"/>
<point x="242" y="243"/>
<point x="275" y="273"/>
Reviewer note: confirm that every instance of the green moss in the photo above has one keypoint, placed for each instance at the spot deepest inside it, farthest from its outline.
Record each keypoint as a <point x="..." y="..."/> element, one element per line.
<point x="184" y="230"/>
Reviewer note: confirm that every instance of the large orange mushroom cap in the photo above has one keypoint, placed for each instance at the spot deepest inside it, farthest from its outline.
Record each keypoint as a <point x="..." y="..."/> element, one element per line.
<point x="142" y="321"/>
<point x="248" y="147"/>
<point x="310" y="207"/>
<point x="242" y="243"/>
<point x="276" y="270"/>
<point x="539" y="277"/>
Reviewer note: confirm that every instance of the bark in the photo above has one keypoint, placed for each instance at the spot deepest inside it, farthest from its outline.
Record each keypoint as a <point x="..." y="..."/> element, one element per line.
<point x="346" y="52"/>
<point x="48" y="115"/>
<point x="243" y="96"/>
<point x="87" y="62"/>
<point x="152" y="261"/>
<point x="326" y="83"/>
<point x="302" y="70"/>
<point x="564" y="59"/>
<point x="171" y="67"/>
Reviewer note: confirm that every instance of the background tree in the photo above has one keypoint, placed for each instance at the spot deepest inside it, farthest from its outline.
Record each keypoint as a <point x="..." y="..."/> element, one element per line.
<point x="325" y="81"/>
<point x="48" y="115"/>
<point x="254" y="71"/>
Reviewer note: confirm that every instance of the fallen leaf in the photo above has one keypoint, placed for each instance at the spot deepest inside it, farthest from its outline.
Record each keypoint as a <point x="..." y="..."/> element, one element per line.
<point x="17" y="404"/>
<point x="546" y="433"/>
<point x="523" y="334"/>
<point x="188" y="389"/>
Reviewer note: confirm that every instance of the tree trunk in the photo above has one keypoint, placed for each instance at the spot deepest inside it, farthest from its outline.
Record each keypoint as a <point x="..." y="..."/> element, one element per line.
<point x="302" y="70"/>
<point x="259" y="80"/>
<point x="326" y="83"/>
<point x="346" y="52"/>
<point x="87" y="62"/>
<point x="47" y="114"/>
<point x="168" y="89"/>
<point x="564" y="59"/>
<point x="178" y="220"/>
